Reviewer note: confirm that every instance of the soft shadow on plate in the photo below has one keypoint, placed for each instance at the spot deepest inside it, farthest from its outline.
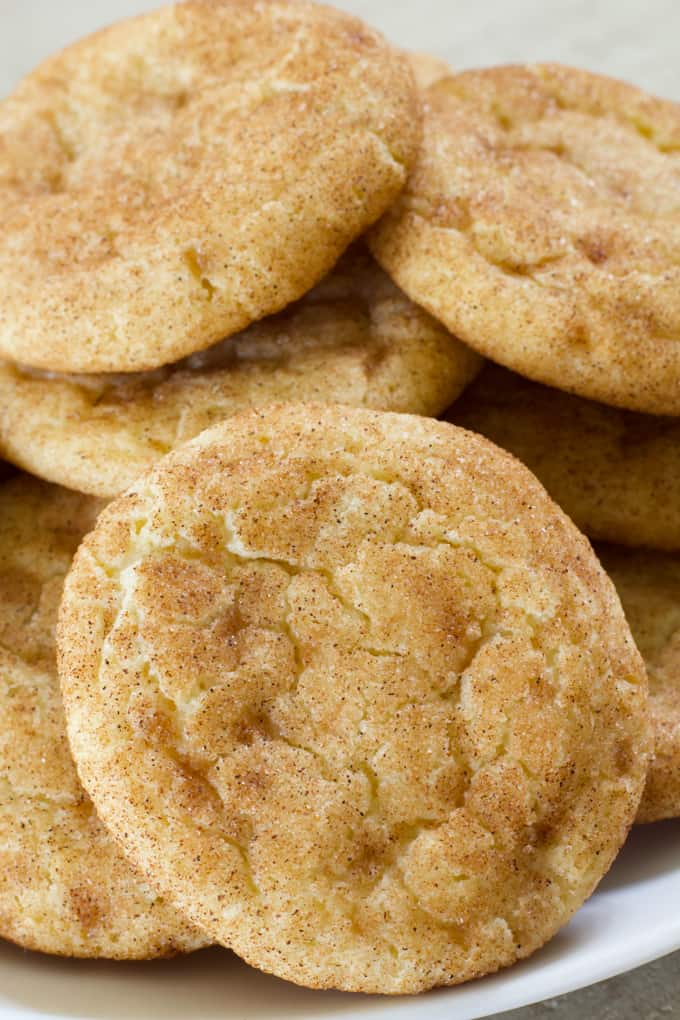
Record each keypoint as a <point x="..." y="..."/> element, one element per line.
<point x="212" y="984"/>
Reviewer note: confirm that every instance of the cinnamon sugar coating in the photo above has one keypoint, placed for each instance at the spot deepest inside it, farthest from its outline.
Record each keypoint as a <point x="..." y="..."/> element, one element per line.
<point x="65" y="888"/>
<point x="648" y="584"/>
<point x="175" y="177"/>
<point x="356" y="695"/>
<point x="615" y="472"/>
<point x="354" y="339"/>
<point x="541" y="224"/>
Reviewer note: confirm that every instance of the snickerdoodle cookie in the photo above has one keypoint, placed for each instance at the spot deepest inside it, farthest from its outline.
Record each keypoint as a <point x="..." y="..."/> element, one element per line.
<point x="615" y="472"/>
<point x="177" y="176"/>
<point x="64" y="887"/>
<point x="541" y="224"/>
<point x="648" y="584"/>
<point x="356" y="694"/>
<point x="354" y="339"/>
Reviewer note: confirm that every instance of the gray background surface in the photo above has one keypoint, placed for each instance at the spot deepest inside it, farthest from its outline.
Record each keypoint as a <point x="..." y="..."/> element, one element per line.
<point x="634" y="39"/>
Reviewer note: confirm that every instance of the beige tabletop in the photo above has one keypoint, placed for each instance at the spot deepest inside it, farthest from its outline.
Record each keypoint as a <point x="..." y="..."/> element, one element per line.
<point x="634" y="39"/>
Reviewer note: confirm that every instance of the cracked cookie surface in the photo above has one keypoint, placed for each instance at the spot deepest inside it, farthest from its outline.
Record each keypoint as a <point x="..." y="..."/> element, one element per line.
<point x="541" y="224"/>
<point x="354" y="339"/>
<point x="177" y="176"/>
<point x="615" y="472"/>
<point x="355" y="694"/>
<point x="64" y="887"/>
<point x="648" y="584"/>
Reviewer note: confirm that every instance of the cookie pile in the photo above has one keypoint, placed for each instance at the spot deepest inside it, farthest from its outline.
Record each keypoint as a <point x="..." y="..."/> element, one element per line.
<point x="346" y="690"/>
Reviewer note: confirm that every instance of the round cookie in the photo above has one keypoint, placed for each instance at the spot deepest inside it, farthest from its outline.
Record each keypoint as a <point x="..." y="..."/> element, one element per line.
<point x="648" y="584"/>
<point x="615" y="472"/>
<point x="177" y="176"/>
<point x="541" y="224"/>
<point x="64" y="887"/>
<point x="347" y="679"/>
<point x="354" y="339"/>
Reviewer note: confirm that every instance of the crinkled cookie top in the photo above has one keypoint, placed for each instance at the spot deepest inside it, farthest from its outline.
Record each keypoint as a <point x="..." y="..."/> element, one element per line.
<point x="356" y="694"/>
<point x="541" y="224"/>
<point x="177" y="176"/>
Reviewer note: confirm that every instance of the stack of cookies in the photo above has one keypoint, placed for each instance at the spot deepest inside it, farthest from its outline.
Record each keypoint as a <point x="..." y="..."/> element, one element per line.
<point x="346" y="690"/>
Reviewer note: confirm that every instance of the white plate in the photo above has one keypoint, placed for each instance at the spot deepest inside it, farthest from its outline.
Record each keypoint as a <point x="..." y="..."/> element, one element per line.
<point x="633" y="918"/>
